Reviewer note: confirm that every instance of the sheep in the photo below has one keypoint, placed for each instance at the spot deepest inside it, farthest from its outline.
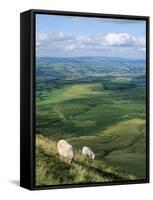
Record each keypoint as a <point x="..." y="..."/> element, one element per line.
<point x="66" y="151"/>
<point x="88" y="152"/>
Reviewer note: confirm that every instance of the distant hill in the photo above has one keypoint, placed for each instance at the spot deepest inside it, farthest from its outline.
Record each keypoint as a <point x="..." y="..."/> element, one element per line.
<point x="78" y="68"/>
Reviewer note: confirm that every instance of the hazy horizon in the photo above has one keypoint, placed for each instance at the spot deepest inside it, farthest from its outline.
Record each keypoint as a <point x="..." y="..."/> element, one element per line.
<point x="91" y="57"/>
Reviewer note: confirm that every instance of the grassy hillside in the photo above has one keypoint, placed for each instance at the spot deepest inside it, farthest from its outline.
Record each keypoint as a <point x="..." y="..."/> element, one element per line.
<point x="110" y="118"/>
<point x="51" y="170"/>
<point x="122" y="145"/>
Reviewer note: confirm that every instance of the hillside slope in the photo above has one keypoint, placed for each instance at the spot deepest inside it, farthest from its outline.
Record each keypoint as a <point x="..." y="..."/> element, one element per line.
<point x="50" y="170"/>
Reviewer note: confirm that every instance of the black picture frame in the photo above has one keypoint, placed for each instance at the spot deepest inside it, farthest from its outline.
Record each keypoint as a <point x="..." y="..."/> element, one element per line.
<point x="27" y="97"/>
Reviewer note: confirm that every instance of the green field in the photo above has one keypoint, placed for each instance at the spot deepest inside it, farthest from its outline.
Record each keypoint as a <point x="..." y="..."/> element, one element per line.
<point x="108" y="116"/>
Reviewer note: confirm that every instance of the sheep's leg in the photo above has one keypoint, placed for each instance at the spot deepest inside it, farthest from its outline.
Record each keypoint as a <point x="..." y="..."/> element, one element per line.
<point x="69" y="161"/>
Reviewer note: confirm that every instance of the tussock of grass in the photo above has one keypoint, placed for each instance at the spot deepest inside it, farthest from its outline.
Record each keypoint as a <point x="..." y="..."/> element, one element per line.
<point x="51" y="170"/>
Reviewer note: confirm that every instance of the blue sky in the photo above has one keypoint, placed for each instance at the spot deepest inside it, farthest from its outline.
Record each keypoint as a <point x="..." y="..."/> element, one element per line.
<point x="68" y="36"/>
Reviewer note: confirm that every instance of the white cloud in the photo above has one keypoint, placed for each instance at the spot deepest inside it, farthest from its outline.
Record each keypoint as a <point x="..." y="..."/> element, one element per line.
<point x="141" y="49"/>
<point x="67" y="44"/>
<point x="123" y="39"/>
<point x="70" y="47"/>
<point x="117" y="39"/>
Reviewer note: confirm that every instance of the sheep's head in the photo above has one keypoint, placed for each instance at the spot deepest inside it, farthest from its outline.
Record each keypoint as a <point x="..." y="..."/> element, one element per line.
<point x="93" y="156"/>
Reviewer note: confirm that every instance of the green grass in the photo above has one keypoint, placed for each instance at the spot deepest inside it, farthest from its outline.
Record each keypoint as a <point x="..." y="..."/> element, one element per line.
<point x="122" y="145"/>
<point x="111" y="122"/>
<point x="51" y="170"/>
<point x="69" y="92"/>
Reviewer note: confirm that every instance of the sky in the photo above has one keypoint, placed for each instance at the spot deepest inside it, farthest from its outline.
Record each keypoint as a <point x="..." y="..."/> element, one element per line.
<point x="67" y="36"/>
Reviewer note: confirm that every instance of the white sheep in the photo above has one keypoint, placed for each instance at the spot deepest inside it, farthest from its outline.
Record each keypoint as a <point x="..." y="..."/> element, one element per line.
<point x="65" y="150"/>
<point x="88" y="152"/>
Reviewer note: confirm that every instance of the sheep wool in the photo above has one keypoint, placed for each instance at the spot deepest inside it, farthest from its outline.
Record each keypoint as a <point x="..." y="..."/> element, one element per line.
<point x="65" y="150"/>
<point x="88" y="152"/>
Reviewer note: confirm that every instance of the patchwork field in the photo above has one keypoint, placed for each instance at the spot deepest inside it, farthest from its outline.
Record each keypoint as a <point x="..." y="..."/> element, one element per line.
<point x="106" y="114"/>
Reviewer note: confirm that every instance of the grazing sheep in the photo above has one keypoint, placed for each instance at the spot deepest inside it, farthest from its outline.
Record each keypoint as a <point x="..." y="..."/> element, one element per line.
<point x="88" y="152"/>
<point x="65" y="150"/>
